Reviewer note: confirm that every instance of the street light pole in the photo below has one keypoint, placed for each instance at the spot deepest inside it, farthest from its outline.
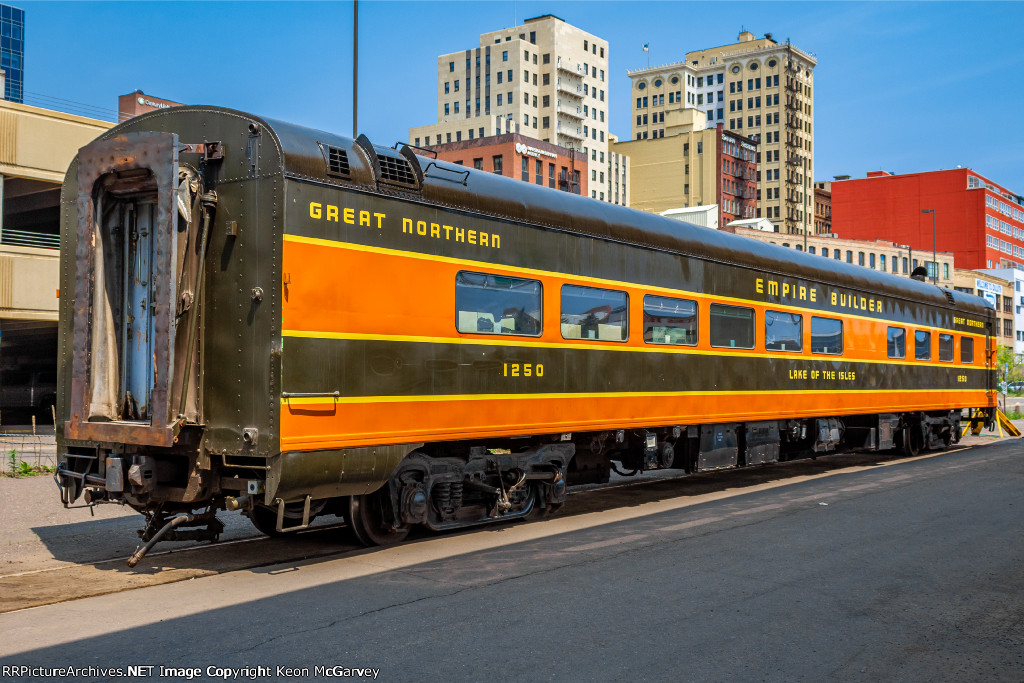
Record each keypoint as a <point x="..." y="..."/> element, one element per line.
<point x="935" y="259"/>
<point x="355" y="69"/>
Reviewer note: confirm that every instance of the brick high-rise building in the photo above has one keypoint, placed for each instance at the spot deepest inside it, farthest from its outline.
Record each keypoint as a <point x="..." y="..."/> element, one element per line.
<point x="981" y="222"/>
<point x="544" y="79"/>
<point x="518" y="156"/>
<point x="758" y="88"/>
<point x="823" y="208"/>
<point x="136" y="103"/>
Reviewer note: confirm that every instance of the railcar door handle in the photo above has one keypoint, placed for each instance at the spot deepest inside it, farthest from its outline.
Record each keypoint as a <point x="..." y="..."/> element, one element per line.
<point x="310" y="394"/>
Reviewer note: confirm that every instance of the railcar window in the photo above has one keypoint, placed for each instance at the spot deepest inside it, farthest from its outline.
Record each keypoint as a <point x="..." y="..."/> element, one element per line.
<point x="896" y="341"/>
<point x="783" y="331"/>
<point x="946" y="348"/>
<point x="495" y="304"/>
<point x="966" y="350"/>
<point x="826" y="336"/>
<point x="589" y="313"/>
<point x="670" y="321"/>
<point x="922" y="345"/>
<point x="732" y="326"/>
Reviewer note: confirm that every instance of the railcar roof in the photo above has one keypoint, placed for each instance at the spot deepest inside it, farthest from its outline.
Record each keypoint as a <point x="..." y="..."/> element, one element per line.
<point x="467" y="189"/>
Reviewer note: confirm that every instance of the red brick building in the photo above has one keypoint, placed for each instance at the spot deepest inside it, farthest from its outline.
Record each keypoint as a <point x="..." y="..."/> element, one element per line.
<point x="822" y="208"/>
<point x="981" y="222"/>
<point x="737" y="177"/>
<point x="518" y="156"/>
<point x="138" y="102"/>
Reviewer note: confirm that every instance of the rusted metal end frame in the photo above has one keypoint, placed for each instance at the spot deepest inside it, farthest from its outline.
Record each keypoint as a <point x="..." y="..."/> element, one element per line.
<point x="124" y="156"/>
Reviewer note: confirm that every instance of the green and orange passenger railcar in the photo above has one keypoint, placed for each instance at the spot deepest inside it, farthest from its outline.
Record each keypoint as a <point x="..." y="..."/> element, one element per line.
<point x="288" y="322"/>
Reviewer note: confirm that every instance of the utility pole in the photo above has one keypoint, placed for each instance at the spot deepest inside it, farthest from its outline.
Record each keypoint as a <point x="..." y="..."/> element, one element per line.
<point x="355" y="69"/>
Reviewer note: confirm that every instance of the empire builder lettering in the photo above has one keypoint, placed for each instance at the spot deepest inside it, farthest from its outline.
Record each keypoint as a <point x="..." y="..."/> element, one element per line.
<point x="839" y="299"/>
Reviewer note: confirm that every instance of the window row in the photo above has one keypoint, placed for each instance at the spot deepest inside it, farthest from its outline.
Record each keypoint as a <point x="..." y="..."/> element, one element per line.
<point x="496" y="304"/>
<point x="492" y="304"/>
<point x="711" y="80"/>
<point x="593" y="47"/>
<point x="896" y="345"/>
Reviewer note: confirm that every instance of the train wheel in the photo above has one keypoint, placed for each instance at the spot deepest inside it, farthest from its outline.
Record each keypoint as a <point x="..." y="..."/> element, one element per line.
<point x="911" y="441"/>
<point x="538" y="513"/>
<point x="366" y="516"/>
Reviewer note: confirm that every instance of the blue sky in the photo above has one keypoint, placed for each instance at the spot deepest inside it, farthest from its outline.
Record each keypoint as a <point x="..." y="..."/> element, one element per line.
<point x="902" y="87"/>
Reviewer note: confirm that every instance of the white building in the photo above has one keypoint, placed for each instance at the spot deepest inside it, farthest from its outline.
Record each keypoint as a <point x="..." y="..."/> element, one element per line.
<point x="1016" y="300"/>
<point x="705" y="216"/>
<point x="762" y="224"/>
<point x="544" y="79"/>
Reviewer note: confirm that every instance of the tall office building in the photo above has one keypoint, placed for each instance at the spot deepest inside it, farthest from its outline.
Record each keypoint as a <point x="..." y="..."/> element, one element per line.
<point x="544" y="79"/>
<point x="12" y="52"/>
<point x="758" y="88"/>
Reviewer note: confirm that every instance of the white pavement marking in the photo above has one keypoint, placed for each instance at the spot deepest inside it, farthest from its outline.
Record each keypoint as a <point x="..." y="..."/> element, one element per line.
<point x="604" y="544"/>
<point x="860" y="487"/>
<point x="901" y="477"/>
<point x="760" y="508"/>
<point x="691" y="524"/>
<point x="805" y="499"/>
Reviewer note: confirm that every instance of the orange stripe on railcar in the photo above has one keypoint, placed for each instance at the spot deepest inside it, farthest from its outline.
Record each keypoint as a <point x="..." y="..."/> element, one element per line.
<point x="313" y="424"/>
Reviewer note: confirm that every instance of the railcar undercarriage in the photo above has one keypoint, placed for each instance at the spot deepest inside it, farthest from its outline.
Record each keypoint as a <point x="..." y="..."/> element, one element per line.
<point x="452" y="485"/>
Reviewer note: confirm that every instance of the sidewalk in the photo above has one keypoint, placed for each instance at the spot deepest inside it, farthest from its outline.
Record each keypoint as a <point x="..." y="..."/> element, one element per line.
<point x="986" y="436"/>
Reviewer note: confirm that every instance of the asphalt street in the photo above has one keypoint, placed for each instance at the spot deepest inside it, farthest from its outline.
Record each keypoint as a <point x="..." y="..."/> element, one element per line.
<point x="907" y="570"/>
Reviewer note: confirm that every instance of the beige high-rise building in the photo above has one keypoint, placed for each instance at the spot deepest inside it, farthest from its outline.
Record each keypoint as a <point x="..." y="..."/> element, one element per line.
<point x="544" y="79"/>
<point x="619" y="174"/>
<point x="758" y="88"/>
<point x="692" y="165"/>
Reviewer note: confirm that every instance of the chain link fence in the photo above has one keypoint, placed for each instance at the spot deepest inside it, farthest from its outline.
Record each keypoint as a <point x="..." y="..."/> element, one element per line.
<point x="36" y="450"/>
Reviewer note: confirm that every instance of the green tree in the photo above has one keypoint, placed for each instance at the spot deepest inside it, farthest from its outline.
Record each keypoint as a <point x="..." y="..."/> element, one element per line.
<point x="1010" y="367"/>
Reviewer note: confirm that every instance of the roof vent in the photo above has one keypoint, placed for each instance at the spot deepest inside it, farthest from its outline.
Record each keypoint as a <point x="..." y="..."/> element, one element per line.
<point x="337" y="162"/>
<point x="396" y="170"/>
<point x="949" y="296"/>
